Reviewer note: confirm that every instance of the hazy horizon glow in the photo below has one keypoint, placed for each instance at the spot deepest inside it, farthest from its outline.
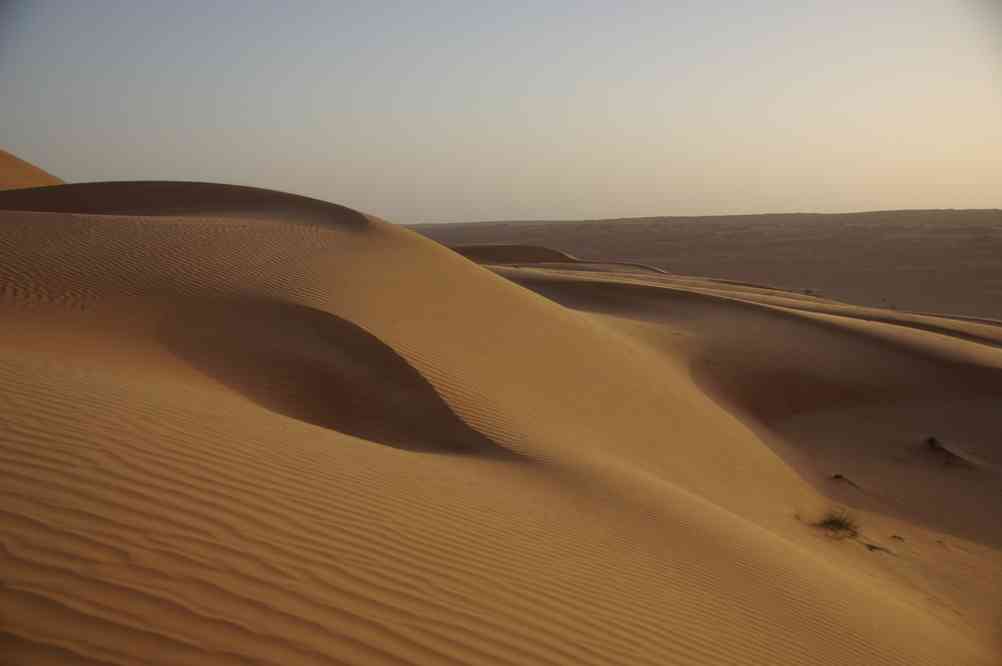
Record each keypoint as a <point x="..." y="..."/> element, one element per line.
<point x="445" y="111"/>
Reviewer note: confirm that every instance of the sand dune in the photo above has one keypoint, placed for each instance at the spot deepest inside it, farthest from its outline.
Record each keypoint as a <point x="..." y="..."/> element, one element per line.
<point x="239" y="426"/>
<point x="16" y="173"/>
<point x="510" y="254"/>
<point x="876" y="385"/>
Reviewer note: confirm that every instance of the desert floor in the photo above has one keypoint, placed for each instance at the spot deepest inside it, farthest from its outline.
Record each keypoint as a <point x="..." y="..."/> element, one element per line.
<point x="939" y="261"/>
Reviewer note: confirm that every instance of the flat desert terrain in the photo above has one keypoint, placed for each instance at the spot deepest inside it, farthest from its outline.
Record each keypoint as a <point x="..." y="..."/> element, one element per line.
<point x="938" y="261"/>
<point x="245" y="427"/>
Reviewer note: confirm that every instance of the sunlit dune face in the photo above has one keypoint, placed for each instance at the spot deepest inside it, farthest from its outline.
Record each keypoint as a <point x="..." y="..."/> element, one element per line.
<point x="18" y="174"/>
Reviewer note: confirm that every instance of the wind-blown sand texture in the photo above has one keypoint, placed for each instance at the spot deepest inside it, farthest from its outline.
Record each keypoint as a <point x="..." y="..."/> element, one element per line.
<point x="239" y="426"/>
<point x="16" y="173"/>
<point x="926" y="261"/>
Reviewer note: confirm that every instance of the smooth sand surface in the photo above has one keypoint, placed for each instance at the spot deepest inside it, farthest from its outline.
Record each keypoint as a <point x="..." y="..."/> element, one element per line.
<point x="16" y="173"/>
<point x="944" y="261"/>
<point x="244" y="427"/>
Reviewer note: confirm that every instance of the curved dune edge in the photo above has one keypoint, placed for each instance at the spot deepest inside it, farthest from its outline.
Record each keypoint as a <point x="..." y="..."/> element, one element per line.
<point x="15" y="173"/>
<point x="181" y="199"/>
<point x="536" y="484"/>
<point x="539" y="256"/>
<point x="510" y="254"/>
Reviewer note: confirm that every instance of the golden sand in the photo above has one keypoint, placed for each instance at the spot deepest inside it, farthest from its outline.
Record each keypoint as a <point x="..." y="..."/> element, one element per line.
<point x="238" y="426"/>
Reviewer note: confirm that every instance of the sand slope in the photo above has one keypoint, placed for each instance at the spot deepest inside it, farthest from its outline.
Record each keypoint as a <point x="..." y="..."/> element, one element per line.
<point x="16" y="173"/>
<point x="245" y="427"/>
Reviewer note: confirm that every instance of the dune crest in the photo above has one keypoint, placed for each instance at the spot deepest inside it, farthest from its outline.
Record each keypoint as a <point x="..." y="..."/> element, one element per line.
<point x="241" y="426"/>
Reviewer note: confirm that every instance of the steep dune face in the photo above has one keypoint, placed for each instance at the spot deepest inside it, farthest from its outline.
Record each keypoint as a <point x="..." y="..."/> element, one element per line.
<point x="15" y="173"/>
<point x="242" y="426"/>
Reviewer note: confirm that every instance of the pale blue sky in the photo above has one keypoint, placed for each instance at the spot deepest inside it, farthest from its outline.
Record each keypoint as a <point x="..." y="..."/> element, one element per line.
<point x="450" y="111"/>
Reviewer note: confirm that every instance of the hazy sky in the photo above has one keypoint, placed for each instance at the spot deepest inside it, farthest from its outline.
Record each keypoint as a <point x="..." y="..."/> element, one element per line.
<point x="449" y="111"/>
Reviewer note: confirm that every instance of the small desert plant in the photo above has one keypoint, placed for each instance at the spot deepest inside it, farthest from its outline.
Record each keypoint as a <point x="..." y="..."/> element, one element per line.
<point x="839" y="523"/>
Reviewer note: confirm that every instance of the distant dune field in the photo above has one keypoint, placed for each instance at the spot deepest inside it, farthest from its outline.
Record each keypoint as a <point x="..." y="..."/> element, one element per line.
<point x="944" y="261"/>
<point x="239" y="426"/>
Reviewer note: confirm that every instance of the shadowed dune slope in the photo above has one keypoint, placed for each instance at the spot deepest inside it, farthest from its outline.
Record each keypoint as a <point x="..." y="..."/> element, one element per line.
<point x="239" y="426"/>
<point x="181" y="199"/>
<point x="16" y="173"/>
